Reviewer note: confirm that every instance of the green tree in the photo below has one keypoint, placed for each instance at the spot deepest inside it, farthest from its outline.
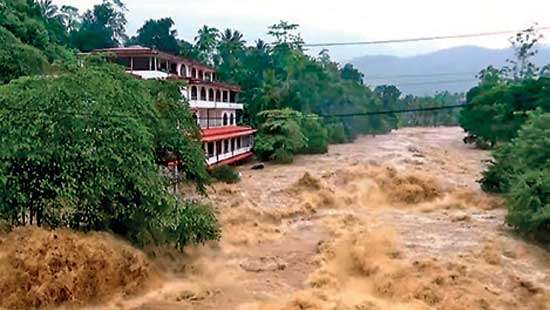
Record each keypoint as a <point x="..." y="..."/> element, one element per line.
<point x="79" y="150"/>
<point x="102" y="27"/>
<point x="280" y="135"/>
<point x="18" y="59"/>
<point x="500" y="103"/>
<point x="230" y="50"/>
<point x="158" y="34"/>
<point x="25" y="21"/>
<point x="187" y="50"/>
<point x="521" y="170"/>
<point x="285" y="35"/>
<point x="316" y="135"/>
<point x="206" y="42"/>
<point x="524" y="45"/>
<point x="348" y="72"/>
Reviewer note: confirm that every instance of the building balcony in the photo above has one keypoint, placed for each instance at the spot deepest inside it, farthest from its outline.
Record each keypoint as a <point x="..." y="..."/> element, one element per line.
<point x="150" y="74"/>
<point x="203" y="104"/>
<point x="230" y="157"/>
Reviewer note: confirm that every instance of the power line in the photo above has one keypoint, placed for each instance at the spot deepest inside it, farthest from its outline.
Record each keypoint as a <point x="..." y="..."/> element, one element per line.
<point x="113" y="115"/>
<point x="449" y="107"/>
<point x="419" y="39"/>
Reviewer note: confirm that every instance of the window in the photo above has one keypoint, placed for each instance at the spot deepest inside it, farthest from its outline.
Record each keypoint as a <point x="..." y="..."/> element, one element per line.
<point x="233" y="144"/>
<point x="203" y="93"/>
<point x="211" y="94"/>
<point x="239" y="142"/>
<point x="210" y="149"/>
<point x="194" y="93"/>
<point x="226" y="146"/>
<point x="183" y="70"/>
<point x="232" y="119"/>
<point x="194" y="73"/>
<point x="225" y="119"/>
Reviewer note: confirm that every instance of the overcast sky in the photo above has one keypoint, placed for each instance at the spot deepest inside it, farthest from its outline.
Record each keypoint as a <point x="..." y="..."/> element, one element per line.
<point x="348" y="20"/>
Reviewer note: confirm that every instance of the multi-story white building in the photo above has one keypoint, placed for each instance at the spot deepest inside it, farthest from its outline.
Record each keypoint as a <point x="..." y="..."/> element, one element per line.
<point x="214" y="103"/>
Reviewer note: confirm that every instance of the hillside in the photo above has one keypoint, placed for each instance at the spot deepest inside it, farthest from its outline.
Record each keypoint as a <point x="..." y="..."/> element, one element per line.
<point x="451" y="69"/>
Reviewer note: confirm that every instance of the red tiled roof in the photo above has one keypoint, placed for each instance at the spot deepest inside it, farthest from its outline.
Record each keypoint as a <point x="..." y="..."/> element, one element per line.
<point x="233" y="160"/>
<point x="219" y="133"/>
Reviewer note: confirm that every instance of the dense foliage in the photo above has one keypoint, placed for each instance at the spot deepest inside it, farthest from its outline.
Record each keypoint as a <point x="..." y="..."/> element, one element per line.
<point x="281" y="75"/>
<point x="176" y="134"/>
<point x="510" y="109"/>
<point x="81" y="149"/>
<point x="18" y="59"/>
<point x="522" y="170"/>
<point x="280" y="135"/>
<point x="158" y="34"/>
<point x="101" y="27"/>
<point x="36" y="25"/>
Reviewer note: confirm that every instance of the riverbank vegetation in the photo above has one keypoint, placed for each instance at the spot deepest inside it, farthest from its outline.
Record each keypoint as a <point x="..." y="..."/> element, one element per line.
<point x="510" y="111"/>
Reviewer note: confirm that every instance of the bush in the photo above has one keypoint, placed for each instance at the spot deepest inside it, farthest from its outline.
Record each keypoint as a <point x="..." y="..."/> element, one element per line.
<point x="496" y="112"/>
<point x="81" y="149"/>
<point x="18" y="59"/>
<point x="280" y="135"/>
<point x="225" y="174"/>
<point x="315" y="133"/>
<point x="521" y="170"/>
<point x="336" y="133"/>
<point x="194" y="223"/>
<point x="496" y="179"/>
<point x="529" y="204"/>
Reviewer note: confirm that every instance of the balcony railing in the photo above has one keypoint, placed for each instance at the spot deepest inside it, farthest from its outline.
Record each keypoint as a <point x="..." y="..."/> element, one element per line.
<point x="221" y="157"/>
<point x="210" y="122"/>
<point x="203" y="104"/>
<point x="213" y="122"/>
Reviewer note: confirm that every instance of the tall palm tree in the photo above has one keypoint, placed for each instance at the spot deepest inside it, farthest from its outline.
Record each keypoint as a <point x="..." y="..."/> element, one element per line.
<point x="232" y="38"/>
<point x="206" y="41"/>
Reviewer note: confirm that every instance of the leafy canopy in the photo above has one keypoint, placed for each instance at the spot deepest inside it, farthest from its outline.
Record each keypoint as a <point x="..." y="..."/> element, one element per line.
<point x="80" y="149"/>
<point x="158" y="34"/>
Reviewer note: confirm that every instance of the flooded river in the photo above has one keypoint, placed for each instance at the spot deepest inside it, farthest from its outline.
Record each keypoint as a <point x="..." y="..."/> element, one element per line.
<point x="395" y="221"/>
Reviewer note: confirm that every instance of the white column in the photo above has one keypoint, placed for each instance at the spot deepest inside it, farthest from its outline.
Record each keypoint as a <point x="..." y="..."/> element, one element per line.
<point x="178" y="69"/>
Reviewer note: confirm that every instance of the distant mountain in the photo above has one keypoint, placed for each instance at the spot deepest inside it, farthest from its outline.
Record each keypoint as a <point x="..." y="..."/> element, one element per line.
<point x="452" y="69"/>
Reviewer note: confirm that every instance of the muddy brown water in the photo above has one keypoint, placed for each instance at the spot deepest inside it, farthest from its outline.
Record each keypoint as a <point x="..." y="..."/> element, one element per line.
<point x="395" y="221"/>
